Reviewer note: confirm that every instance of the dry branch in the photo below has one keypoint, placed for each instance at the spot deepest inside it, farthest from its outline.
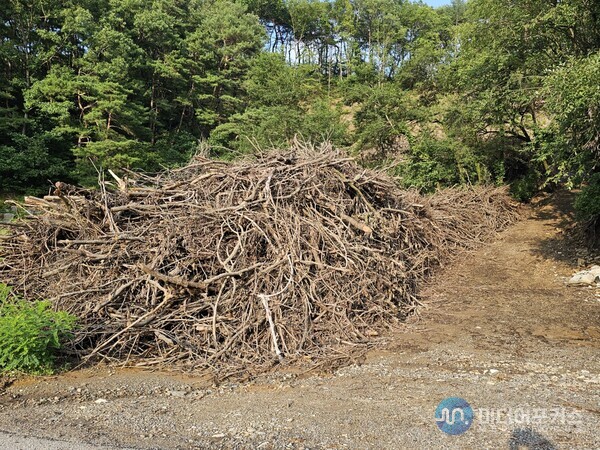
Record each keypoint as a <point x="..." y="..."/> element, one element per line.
<point x="234" y="266"/>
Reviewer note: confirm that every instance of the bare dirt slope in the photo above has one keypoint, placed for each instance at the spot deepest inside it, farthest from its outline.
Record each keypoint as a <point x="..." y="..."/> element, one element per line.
<point x="500" y="330"/>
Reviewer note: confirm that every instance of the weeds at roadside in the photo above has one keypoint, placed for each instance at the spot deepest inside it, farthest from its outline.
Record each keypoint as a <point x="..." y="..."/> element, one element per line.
<point x="31" y="334"/>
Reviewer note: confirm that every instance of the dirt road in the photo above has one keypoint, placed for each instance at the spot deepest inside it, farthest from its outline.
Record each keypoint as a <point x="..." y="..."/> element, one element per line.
<point x="501" y="330"/>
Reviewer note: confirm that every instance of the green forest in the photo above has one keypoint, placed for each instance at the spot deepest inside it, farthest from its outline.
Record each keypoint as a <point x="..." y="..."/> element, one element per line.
<point x="484" y="91"/>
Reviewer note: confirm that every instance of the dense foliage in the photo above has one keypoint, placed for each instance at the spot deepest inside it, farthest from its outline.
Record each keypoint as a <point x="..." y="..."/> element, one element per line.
<point x="477" y="91"/>
<point x="30" y="334"/>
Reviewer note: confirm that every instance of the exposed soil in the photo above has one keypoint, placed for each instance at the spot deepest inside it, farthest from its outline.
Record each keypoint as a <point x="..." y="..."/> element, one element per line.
<point x="499" y="329"/>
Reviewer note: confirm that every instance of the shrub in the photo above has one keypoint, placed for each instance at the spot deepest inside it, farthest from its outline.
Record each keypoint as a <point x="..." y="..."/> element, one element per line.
<point x="587" y="204"/>
<point x="524" y="188"/>
<point x="31" y="333"/>
<point x="587" y="209"/>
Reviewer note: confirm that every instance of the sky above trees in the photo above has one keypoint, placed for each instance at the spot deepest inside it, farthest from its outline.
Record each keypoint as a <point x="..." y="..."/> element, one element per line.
<point x="437" y="2"/>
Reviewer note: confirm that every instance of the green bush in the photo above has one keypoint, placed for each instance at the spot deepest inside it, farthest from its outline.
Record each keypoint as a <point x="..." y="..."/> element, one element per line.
<point x="524" y="188"/>
<point x="587" y="204"/>
<point x="31" y="334"/>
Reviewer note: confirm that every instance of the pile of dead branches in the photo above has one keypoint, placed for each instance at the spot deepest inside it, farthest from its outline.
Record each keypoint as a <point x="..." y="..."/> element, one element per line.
<point x="294" y="254"/>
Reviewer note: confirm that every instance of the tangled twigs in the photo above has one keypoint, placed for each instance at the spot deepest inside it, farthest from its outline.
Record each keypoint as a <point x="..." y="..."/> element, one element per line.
<point x="294" y="255"/>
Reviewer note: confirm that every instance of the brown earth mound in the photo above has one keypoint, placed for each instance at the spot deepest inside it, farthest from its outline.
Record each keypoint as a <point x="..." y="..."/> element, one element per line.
<point x="235" y="266"/>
